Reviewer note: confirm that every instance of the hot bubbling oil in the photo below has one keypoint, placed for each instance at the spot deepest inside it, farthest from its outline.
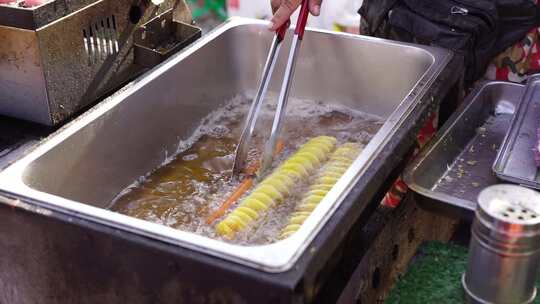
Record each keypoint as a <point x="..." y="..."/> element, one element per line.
<point x="188" y="188"/>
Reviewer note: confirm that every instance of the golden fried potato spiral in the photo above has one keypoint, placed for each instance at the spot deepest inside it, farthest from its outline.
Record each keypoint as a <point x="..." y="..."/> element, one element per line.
<point x="339" y="162"/>
<point x="276" y="187"/>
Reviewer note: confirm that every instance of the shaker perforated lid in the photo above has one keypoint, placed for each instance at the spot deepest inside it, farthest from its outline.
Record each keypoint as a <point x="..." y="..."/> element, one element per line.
<point x="511" y="204"/>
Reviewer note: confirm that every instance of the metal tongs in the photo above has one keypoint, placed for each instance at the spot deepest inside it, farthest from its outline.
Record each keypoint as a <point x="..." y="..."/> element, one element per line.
<point x="270" y="146"/>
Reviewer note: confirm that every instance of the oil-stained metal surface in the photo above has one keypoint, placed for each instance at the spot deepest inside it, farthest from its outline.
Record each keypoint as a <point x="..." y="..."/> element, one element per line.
<point x="65" y="65"/>
<point x="23" y="91"/>
<point x="39" y="16"/>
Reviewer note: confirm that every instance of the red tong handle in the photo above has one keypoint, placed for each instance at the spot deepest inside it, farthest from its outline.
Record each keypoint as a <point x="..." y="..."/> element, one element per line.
<point x="300" y="24"/>
<point x="302" y="20"/>
<point x="282" y="30"/>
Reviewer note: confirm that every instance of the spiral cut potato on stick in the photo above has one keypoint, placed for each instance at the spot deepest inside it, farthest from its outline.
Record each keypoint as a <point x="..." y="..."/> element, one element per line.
<point x="339" y="162"/>
<point x="277" y="186"/>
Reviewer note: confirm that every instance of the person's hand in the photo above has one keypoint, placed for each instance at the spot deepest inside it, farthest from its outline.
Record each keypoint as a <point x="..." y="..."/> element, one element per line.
<point x="283" y="9"/>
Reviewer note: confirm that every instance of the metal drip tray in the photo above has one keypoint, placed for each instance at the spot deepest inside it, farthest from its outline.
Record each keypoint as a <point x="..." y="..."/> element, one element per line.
<point x="451" y="171"/>
<point x="515" y="161"/>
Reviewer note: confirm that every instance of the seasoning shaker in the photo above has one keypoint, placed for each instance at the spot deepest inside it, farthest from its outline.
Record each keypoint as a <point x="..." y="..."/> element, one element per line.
<point x="505" y="246"/>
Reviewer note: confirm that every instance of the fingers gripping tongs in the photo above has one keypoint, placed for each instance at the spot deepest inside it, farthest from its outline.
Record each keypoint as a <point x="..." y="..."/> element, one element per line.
<point x="270" y="146"/>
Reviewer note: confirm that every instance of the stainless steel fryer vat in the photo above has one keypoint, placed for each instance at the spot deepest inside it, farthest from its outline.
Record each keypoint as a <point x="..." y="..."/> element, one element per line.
<point x="78" y="170"/>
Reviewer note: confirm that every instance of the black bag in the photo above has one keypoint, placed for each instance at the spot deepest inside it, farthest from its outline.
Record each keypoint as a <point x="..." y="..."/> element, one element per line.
<point x="465" y="27"/>
<point x="374" y="14"/>
<point x="517" y="17"/>
<point x="479" y="29"/>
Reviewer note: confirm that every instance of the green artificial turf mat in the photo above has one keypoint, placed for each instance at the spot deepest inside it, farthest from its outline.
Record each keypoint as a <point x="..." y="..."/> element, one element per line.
<point x="434" y="276"/>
